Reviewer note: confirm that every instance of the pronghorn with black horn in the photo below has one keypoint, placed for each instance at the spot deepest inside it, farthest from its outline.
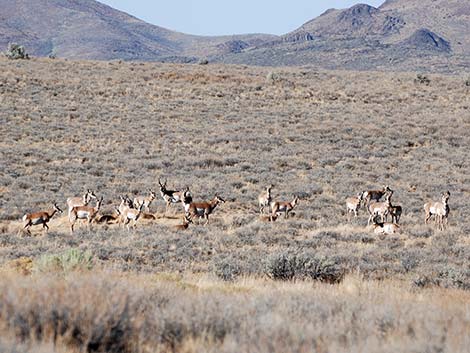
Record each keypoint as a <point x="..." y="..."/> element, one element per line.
<point x="280" y="207"/>
<point x="381" y="209"/>
<point x="374" y="195"/>
<point x="145" y="200"/>
<point x="353" y="204"/>
<point x="265" y="199"/>
<point x="440" y="210"/>
<point x="202" y="209"/>
<point x="37" y="218"/>
<point x="84" y="212"/>
<point x="171" y="196"/>
<point x="80" y="201"/>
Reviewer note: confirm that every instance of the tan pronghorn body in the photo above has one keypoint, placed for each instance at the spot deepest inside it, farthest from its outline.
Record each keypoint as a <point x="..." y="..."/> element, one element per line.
<point x="80" y="201"/>
<point x="145" y="200"/>
<point x="386" y="228"/>
<point x="171" y="196"/>
<point x="280" y="207"/>
<point x="353" y="204"/>
<point x="268" y="217"/>
<point x="265" y="199"/>
<point x="374" y="195"/>
<point x="131" y="215"/>
<point x="84" y="212"/>
<point x="185" y="224"/>
<point x="440" y="210"/>
<point x="203" y="209"/>
<point x="37" y="218"/>
<point x="109" y="218"/>
<point x="381" y="209"/>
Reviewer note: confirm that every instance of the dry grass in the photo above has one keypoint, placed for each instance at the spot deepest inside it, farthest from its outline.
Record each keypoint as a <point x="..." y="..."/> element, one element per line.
<point x="192" y="314"/>
<point x="116" y="127"/>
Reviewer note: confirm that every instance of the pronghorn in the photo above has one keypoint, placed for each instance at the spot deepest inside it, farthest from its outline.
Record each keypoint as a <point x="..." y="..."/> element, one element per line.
<point x="145" y="200"/>
<point x="80" y="201"/>
<point x="84" y="212"/>
<point x="438" y="209"/>
<point x="109" y="218"/>
<point x="171" y="196"/>
<point x="185" y="224"/>
<point x="32" y="219"/>
<point x="268" y="217"/>
<point x="374" y="195"/>
<point x="264" y="199"/>
<point x="395" y="212"/>
<point x="381" y="209"/>
<point x="131" y="214"/>
<point x="203" y="209"/>
<point x="353" y="204"/>
<point x="279" y="207"/>
<point x="386" y="228"/>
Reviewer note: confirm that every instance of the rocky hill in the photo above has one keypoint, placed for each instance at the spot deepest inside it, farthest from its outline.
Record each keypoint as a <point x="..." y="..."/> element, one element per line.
<point x="429" y="35"/>
<point x="87" y="29"/>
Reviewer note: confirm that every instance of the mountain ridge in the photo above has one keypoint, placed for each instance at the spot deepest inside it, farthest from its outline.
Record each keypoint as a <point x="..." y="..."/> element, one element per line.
<point x="399" y="34"/>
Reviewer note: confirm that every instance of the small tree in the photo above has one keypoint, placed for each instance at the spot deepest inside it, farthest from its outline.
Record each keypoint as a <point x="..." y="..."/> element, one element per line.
<point x="16" y="51"/>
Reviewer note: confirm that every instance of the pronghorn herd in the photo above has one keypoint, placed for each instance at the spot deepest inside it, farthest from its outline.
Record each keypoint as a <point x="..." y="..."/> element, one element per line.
<point x="130" y="211"/>
<point x="371" y="201"/>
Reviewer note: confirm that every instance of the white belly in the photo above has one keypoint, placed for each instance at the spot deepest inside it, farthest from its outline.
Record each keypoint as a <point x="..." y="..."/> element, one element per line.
<point x="82" y="214"/>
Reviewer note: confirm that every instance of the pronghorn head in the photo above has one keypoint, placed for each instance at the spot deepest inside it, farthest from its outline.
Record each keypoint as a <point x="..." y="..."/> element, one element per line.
<point x="89" y="195"/>
<point x="152" y="194"/>
<point x="218" y="199"/>
<point x="187" y="198"/>
<point x="386" y="188"/>
<point x="162" y="186"/>
<point x="360" y="196"/>
<point x="125" y="200"/>
<point x="295" y="201"/>
<point x="56" y="208"/>
<point x="445" y="196"/>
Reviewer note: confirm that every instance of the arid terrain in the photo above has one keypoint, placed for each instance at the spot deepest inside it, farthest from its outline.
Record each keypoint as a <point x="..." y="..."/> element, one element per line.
<point x="399" y="35"/>
<point x="312" y="282"/>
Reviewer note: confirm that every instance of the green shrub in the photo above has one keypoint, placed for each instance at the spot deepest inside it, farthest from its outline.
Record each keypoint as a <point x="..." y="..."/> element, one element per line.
<point x="70" y="260"/>
<point x="16" y="51"/>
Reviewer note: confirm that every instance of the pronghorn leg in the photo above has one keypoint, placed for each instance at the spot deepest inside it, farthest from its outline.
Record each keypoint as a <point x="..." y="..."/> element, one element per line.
<point x="427" y="217"/>
<point x="26" y="227"/>
<point x="45" y="227"/>
<point x="206" y="216"/>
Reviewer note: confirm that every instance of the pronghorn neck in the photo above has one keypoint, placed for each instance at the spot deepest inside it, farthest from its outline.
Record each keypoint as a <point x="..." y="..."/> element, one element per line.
<point x="51" y="213"/>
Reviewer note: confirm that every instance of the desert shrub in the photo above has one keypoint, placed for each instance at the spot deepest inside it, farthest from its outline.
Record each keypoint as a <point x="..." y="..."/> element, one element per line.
<point x="287" y="266"/>
<point x="422" y="79"/>
<point x="227" y="269"/>
<point x="16" y="51"/>
<point x="70" y="260"/>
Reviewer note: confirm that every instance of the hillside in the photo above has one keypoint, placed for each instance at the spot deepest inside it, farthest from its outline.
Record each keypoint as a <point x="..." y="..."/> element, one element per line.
<point x="399" y="35"/>
<point x="428" y="35"/>
<point x="87" y="29"/>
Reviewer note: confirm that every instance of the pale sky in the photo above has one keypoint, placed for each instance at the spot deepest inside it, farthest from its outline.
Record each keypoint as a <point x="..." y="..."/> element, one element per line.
<point x="219" y="17"/>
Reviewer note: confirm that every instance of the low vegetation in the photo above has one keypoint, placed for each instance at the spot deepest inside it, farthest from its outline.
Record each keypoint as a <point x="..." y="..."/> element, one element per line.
<point x="315" y="279"/>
